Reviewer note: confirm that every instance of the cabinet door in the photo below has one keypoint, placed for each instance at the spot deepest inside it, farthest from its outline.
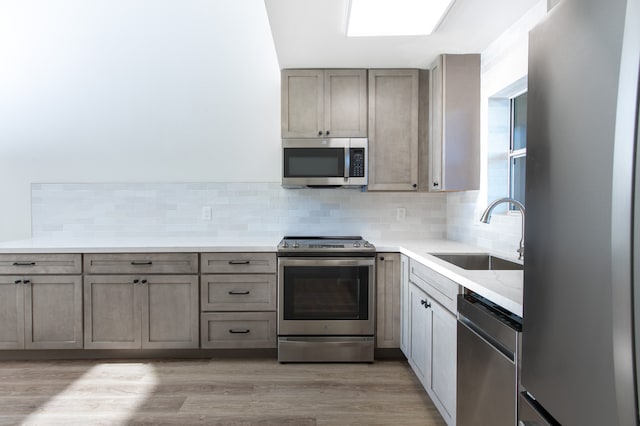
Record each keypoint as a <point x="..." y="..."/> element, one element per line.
<point x="455" y="123"/>
<point x="238" y="263"/>
<point x="388" y="300"/>
<point x="238" y="330"/>
<point x="444" y="347"/>
<point x="345" y="103"/>
<point x="302" y="103"/>
<point x="238" y="292"/>
<point x="421" y="335"/>
<point x="435" y="141"/>
<point x="112" y="312"/>
<point x="170" y="313"/>
<point x="404" y="305"/>
<point x="393" y="130"/>
<point x="53" y="312"/>
<point x="11" y="312"/>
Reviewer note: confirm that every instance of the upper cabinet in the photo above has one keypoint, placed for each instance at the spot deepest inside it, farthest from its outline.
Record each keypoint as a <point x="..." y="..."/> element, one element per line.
<point x="393" y="129"/>
<point x="455" y="123"/>
<point x="324" y="103"/>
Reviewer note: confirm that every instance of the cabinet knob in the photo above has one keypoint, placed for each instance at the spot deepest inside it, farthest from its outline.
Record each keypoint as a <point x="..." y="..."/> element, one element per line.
<point x="328" y="133"/>
<point x="435" y="184"/>
<point x="415" y="185"/>
<point x="382" y="258"/>
<point x="17" y="281"/>
<point x="136" y="281"/>
<point x="425" y="304"/>
<point x="26" y="281"/>
<point x="319" y="132"/>
<point x="143" y="281"/>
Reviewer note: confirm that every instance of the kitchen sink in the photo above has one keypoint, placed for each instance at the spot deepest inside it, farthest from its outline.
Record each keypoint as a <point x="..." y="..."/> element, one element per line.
<point x="478" y="261"/>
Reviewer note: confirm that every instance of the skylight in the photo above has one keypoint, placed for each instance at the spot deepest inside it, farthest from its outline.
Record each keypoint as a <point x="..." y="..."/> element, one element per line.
<point x="371" y="18"/>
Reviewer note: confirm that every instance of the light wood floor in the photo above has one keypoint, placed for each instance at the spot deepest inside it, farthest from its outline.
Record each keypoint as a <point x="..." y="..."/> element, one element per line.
<point x="212" y="392"/>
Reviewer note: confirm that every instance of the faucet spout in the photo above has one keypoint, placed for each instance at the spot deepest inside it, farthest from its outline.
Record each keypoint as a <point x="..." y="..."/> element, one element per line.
<point x="486" y="218"/>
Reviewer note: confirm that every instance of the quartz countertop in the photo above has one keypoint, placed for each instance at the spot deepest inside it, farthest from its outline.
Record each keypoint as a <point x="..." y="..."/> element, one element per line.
<point x="138" y="245"/>
<point x="501" y="287"/>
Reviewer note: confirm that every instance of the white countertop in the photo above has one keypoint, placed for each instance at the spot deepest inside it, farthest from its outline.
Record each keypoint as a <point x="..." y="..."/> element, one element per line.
<point x="501" y="287"/>
<point x="137" y="245"/>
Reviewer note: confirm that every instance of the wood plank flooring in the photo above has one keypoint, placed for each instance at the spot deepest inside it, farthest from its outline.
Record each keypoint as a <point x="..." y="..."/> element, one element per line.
<point x="212" y="392"/>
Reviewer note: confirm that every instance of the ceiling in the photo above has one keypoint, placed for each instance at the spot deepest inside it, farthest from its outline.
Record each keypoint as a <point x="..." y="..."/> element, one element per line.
<point x="311" y="34"/>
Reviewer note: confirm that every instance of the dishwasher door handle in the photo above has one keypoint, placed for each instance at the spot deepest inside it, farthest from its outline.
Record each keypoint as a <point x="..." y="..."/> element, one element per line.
<point x="481" y="334"/>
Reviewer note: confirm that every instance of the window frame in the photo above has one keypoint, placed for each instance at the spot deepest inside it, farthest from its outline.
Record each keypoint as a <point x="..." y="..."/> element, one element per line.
<point x="513" y="154"/>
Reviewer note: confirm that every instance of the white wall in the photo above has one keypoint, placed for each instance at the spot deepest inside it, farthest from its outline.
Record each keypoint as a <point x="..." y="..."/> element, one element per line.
<point x="503" y="64"/>
<point x="134" y="91"/>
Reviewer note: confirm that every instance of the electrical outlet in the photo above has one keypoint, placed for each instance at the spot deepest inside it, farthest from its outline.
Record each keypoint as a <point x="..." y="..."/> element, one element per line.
<point x="206" y="213"/>
<point x="401" y="214"/>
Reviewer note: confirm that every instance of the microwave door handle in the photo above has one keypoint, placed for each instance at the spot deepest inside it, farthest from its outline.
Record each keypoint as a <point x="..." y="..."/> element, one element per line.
<point x="347" y="162"/>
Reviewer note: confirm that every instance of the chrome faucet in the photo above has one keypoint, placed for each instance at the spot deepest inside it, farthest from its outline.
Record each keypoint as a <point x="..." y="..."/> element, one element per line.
<point x="486" y="217"/>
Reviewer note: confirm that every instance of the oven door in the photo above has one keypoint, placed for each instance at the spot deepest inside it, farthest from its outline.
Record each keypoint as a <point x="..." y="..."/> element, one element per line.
<point x="322" y="296"/>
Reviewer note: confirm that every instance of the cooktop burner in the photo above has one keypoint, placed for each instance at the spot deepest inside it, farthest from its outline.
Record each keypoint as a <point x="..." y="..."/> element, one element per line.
<point x="325" y="246"/>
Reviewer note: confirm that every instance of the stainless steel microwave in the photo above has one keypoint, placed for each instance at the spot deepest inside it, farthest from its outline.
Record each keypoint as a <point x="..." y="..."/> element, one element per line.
<point x="324" y="162"/>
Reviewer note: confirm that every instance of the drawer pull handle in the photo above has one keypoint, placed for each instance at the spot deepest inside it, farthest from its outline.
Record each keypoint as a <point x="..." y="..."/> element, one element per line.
<point x="239" y="262"/>
<point x="142" y="262"/>
<point x="236" y="331"/>
<point x="24" y="263"/>
<point x="239" y="292"/>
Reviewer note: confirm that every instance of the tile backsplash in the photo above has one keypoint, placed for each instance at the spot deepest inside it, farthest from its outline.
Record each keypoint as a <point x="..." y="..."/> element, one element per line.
<point x="238" y="210"/>
<point x="500" y="236"/>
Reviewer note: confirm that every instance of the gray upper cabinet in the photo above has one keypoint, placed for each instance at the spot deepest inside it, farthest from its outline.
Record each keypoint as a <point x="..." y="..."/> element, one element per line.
<point x="393" y="130"/>
<point x="455" y="123"/>
<point x="324" y="103"/>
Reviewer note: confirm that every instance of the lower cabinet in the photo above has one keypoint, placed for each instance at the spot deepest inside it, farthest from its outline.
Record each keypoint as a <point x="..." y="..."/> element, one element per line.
<point x="421" y="335"/>
<point x="432" y="346"/>
<point x="388" y="300"/>
<point x="238" y="300"/>
<point x="239" y="330"/>
<point x="443" y="359"/>
<point x="405" y="340"/>
<point x="133" y="312"/>
<point x="41" y="312"/>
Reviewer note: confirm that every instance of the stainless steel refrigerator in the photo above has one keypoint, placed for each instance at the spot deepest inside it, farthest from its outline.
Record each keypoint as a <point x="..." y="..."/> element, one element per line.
<point x="581" y="321"/>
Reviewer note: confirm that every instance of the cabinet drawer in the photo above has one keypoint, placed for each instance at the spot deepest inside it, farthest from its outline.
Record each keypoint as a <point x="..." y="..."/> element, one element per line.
<point x="238" y="330"/>
<point x="244" y="292"/>
<point x="40" y="264"/>
<point x="239" y="263"/>
<point x="132" y="263"/>
<point x="437" y="286"/>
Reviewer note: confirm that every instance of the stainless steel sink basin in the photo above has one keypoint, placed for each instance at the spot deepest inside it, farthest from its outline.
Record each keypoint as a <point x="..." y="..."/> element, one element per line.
<point x="478" y="261"/>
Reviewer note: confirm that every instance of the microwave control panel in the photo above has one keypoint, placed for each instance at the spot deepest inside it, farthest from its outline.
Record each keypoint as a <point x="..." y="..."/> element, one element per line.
<point x="356" y="167"/>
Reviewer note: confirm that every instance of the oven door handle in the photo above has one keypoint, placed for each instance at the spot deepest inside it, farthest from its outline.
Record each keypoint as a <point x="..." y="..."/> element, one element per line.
<point x="326" y="261"/>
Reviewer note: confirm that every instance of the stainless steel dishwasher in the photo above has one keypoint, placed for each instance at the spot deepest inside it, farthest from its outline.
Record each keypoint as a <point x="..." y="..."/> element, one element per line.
<point x="488" y="350"/>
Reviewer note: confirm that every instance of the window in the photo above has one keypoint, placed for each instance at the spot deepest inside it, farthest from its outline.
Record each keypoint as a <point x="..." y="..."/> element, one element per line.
<point x="507" y="143"/>
<point x="518" y="147"/>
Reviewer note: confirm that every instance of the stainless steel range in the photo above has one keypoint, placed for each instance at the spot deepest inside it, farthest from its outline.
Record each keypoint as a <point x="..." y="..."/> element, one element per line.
<point x="326" y="299"/>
